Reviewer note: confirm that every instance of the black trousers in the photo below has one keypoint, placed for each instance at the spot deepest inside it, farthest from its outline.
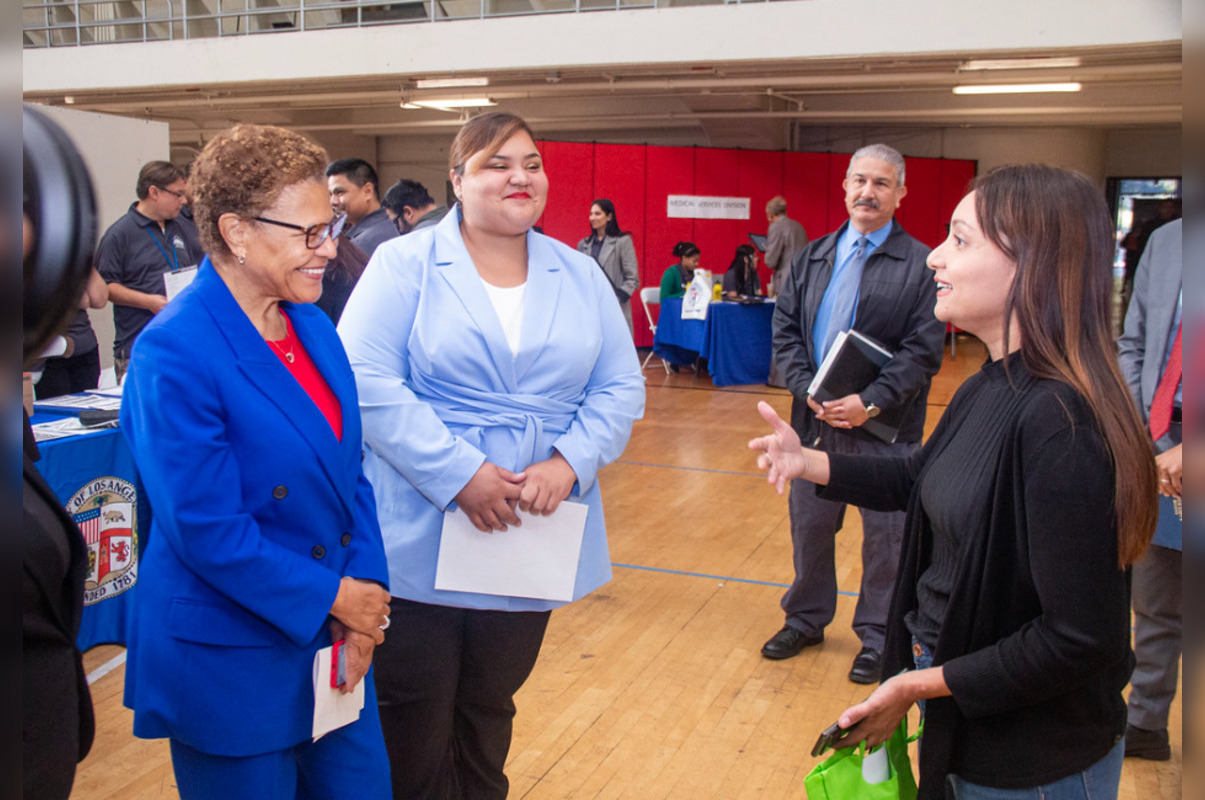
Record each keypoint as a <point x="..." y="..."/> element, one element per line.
<point x="446" y="679"/>
<point x="63" y="376"/>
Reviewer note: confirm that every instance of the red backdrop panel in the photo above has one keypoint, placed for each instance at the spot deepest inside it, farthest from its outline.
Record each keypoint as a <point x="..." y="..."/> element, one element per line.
<point x="956" y="177"/>
<point x="670" y="170"/>
<point x="759" y="178"/>
<point x="716" y="173"/>
<point x="570" y="167"/>
<point x="808" y="189"/>
<point x="919" y="210"/>
<point x="838" y="163"/>
<point x="619" y="176"/>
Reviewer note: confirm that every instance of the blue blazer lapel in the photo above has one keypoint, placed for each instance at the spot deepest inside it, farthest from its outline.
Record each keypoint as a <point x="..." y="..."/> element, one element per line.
<point x="319" y="339"/>
<point x="262" y="370"/>
<point x="453" y="263"/>
<point x="544" y="278"/>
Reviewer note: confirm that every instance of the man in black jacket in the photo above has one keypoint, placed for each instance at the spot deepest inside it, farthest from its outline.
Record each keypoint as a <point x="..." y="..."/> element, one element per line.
<point x="869" y="275"/>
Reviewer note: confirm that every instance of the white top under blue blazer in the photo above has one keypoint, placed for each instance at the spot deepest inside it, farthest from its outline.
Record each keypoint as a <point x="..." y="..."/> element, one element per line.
<point x="259" y="511"/>
<point x="441" y="392"/>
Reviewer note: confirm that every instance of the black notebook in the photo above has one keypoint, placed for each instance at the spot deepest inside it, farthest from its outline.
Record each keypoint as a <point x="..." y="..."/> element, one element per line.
<point x="852" y="364"/>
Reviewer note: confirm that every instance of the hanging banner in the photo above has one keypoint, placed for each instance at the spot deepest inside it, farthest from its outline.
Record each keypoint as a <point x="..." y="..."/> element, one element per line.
<point x="689" y="206"/>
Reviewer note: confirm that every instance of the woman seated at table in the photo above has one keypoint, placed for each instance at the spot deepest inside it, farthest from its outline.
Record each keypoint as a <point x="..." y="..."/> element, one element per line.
<point x="741" y="279"/>
<point x="678" y="277"/>
<point x="1010" y="620"/>
<point x="241" y="412"/>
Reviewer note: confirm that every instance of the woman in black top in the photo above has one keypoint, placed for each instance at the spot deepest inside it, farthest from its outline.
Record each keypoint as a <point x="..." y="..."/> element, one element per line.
<point x="741" y="279"/>
<point x="77" y="369"/>
<point x="1012" y="600"/>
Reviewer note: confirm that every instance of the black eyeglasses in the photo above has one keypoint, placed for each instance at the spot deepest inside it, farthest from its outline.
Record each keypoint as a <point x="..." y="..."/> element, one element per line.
<point x="315" y="235"/>
<point x="179" y="195"/>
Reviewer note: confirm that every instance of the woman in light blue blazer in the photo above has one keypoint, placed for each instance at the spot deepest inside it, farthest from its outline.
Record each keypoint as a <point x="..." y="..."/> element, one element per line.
<point x="495" y="372"/>
<point x="241" y="411"/>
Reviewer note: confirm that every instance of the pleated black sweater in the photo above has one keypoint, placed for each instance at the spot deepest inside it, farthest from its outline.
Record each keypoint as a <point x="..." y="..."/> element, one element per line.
<point x="1009" y="570"/>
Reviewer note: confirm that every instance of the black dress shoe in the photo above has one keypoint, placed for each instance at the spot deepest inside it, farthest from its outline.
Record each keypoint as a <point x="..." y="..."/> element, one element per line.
<point x="788" y="642"/>
<point x="868" y="666"/>
<point x="1150" y="745"/>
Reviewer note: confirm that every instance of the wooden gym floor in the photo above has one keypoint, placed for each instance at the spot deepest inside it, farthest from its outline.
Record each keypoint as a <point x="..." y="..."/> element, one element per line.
<point x="654" y="687"/>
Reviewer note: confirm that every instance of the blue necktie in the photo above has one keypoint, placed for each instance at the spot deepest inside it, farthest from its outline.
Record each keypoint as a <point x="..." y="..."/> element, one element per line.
<point x="836" y="312"/>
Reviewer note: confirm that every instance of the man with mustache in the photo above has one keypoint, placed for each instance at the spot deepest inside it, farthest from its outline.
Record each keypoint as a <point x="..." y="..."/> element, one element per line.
<point x="869" y="275"/>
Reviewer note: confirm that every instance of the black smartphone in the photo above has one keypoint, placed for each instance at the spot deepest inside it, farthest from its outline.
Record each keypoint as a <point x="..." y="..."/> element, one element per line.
<point x="829" y="737"/>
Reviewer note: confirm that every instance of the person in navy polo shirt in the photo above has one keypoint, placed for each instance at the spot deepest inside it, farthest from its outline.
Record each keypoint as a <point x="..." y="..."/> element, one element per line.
<point x="139" y="249"/>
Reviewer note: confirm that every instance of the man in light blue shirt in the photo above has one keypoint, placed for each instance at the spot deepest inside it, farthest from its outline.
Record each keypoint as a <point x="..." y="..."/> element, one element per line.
<point x="870" y="276"/>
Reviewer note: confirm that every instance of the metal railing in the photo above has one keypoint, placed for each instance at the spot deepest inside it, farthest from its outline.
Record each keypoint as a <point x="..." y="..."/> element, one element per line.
<point x="70" y="23"/>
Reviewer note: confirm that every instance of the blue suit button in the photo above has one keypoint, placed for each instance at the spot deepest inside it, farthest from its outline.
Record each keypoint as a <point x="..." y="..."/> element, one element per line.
<point x="345" y="540"/>
<point x="280" y="492"/>
<point x="319" y="551"/>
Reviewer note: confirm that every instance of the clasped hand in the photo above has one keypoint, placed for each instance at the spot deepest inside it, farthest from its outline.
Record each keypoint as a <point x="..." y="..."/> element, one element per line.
<point x="492" y="495"/>
<point x="362" y="606"/>
<point x="844" y="412"/>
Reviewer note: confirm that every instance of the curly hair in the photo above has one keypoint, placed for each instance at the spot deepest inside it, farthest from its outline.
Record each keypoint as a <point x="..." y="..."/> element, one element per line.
<point x="243" y="171"/>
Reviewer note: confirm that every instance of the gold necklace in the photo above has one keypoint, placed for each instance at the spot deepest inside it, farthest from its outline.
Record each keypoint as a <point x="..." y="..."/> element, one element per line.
<point x="288" y="354"/>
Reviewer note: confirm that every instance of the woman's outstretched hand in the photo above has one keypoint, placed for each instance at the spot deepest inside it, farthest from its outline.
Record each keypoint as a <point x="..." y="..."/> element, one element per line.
<point x="781" y="454"/>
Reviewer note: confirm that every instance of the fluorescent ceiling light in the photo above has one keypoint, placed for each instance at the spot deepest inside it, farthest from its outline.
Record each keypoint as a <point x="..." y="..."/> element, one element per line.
<point x="450" y="83"/>
<point x="1021" y="63"/>
<point x="1016" y="88"/>
<point x="451" y="103"/>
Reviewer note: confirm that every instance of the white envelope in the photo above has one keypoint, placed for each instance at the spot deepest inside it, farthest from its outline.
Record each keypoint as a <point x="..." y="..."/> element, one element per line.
<point x="332" y="708"/>
<point x="537" y="559"/>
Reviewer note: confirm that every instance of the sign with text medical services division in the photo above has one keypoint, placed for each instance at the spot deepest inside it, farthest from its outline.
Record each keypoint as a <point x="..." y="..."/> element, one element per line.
<point x="690" y="206"/>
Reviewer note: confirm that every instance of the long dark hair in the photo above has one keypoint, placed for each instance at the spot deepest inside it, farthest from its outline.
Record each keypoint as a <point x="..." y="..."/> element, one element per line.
<point x="745" y="272"/>
<point x="743" y="251"/>
<point x="612" y="228"/>
<point x="1054" y="225"/>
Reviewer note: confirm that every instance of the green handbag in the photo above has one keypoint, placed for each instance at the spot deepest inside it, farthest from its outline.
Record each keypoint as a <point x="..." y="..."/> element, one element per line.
<point x="839" y="777"/>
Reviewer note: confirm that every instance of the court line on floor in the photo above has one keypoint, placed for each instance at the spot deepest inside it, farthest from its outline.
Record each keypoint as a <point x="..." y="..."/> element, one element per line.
<point x="107" y="667"/>
<point x="724" y="578"/>
<point x="690" y="469"/>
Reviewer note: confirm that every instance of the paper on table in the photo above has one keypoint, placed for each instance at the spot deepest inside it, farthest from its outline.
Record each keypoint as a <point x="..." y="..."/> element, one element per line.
<point x="332" y="708"/>
<point x="78" y="401"/>
<point x="60" y="428"/>
<point x="537" y="559"/>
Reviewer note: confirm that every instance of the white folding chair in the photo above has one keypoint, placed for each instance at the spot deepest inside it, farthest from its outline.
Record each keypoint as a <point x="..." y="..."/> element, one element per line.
<point x="651" y="296"/>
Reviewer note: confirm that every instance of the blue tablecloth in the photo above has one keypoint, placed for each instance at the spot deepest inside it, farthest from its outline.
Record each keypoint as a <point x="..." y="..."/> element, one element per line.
<point x="95" y="478"/>
<point x="735" y="340"/>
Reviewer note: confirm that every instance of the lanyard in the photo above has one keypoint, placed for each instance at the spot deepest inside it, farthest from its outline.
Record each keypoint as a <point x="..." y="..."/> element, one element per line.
<point x="173" y="260"/>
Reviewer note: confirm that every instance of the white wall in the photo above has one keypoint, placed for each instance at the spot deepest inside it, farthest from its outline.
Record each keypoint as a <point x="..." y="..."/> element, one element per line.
<point x="114" y="149"/>
<point x="702" y="34"/>
<point x="1099" y="153"/>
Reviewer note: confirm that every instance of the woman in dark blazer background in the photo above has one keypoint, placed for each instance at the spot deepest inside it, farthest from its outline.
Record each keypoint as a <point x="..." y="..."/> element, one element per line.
<point x="614" y="251"/>
<point x="241" y="412"/>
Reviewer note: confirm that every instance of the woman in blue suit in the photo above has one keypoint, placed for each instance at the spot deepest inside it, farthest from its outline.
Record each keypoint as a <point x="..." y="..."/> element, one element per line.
<point x="241" y="410"/>
<point x="496" y="373"/>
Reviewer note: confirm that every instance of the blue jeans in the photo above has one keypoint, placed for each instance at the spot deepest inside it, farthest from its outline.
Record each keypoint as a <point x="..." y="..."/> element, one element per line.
<point x="1097" y="782"/>
<point x="922" y="657"/>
